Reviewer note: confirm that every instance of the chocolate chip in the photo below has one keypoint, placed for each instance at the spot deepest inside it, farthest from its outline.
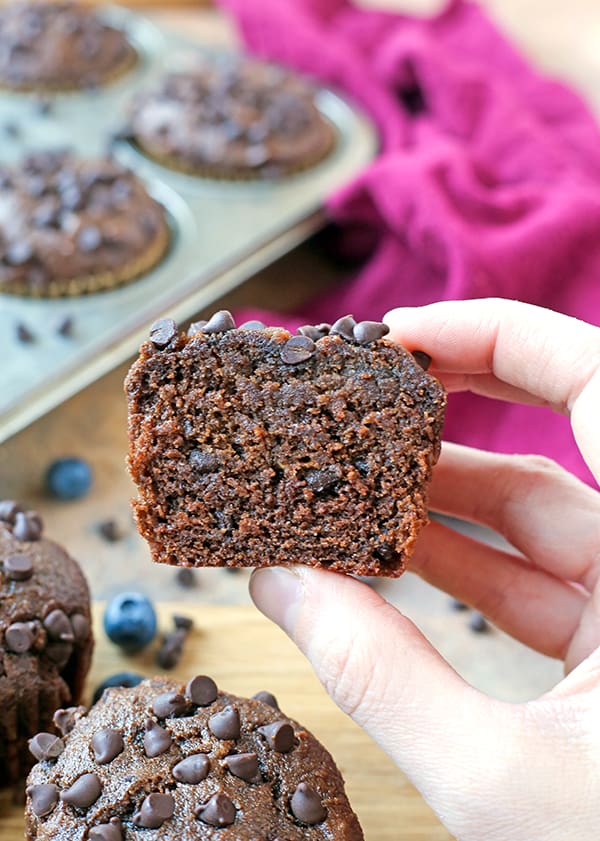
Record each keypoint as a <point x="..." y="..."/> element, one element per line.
<point x="12" y="130"/>
<point x="186" y="578"/>
<point x="366" y="332"/>
<point x="162" y="332"/>
<point x="44" y="106"/>
<point x="204" y="461"/>
<point x="19" y="253"/>
<point x="311" y="332"/>
<point x="46" y="215"/>
<point x="64" y="327"/>
<point x="111" y="831"/>
<point x="157" y="740"/>
<point x="478" y="623"/>
<point x="155" y="810"/>
<point x="43" y="799"/>
<point x="218" y="811"/>
<point x="58" y="626"/>
<point x="192" y="769"/>
<point x="457" y="605"/>
<point x="81" y="627"/>
<point x="24" y="334"/>
<point x="279" y="736"/>
<point x="169" y="653"/>
<point x="59" y="652"/>
<point x="202" y="691"/>
<point x="307" y="806"/>
<point x="183" y="623"/>
<point x="27" y="527"/>
<point x="169" y="704"/>
<point x="297" y="349"/>
<point x="65" y="720"/>
<point x="225" y="724"/>
<point x="344" y="327"/>
<point x="257" y="155"/>
<point x="46" y="746"/>
<point x="242" y="765"/>
<point x="252" y="325"/>
<point x="18" y="637"/>
<point x="71" y="198"/>
<point x="324" y="478"/>
<point x="110" y="531"/>
<point x="35" y="186"/>
<point x="89" y="238"/>
<point x="18" y="567"/>
<point x="220" y="322"/>
<point x="267" y="698"/>
<point x="84" y="791"/>
<point x="196" y="327"/>
<point x="422" y="359"/>
<point x="107" y="745"/>
<point x="9" y="510"/>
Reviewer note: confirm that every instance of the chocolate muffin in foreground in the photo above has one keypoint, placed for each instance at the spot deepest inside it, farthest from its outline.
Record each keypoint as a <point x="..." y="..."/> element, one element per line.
<point x="232" y="119"/>
<point x="45" y="635"/>
<point x="71" y="226"/>
<point x="253" y="447"/>
<point x="47" y="46"/>
<point x="187" y="763"/>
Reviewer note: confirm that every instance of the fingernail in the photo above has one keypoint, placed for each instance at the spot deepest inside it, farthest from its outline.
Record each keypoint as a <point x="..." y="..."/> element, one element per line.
<point x="277" y="592"/>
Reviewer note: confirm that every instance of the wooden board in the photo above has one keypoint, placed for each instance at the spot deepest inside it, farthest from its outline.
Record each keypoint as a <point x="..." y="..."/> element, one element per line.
<point x="245" y="653"/>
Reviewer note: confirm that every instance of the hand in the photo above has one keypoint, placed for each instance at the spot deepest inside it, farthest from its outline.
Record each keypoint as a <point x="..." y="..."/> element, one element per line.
<point x="492" y="771"/>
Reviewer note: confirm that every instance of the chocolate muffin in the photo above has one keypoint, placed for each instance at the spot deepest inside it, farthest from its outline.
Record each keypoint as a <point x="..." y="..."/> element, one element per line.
<point x="45" y="635"/>
<point x="232" y="118"/>
<point x="48" y="46"/>
<point x="185" y="763"/>
<point x="253" y="447"/>
<point x="69" y="226"/>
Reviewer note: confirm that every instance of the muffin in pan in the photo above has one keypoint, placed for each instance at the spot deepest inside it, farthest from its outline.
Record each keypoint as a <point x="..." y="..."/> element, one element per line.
<point x="61" y="46"/>
<point x="70" y="226"/>
<point x="232" y="118"/>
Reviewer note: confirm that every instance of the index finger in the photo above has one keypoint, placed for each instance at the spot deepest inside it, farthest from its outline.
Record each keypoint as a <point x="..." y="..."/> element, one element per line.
<point x="551" y="357"/>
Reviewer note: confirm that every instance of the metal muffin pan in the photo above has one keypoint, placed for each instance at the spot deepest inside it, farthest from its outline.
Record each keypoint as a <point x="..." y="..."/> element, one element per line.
<point x="222" y="231"/>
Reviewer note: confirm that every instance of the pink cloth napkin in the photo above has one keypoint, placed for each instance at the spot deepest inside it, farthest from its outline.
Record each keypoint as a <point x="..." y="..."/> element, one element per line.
<point x="488" y="183"/>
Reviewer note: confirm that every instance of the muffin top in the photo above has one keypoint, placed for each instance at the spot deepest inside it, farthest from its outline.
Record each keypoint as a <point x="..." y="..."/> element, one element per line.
<point x="232" y="117"/>
<point x="63" y="219"/>
<point x="185" y="762"/>
<point x="46" y="46"/>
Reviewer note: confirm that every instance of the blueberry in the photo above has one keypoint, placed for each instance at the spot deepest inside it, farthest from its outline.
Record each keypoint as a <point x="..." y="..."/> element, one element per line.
<point x="127" y="679"/>
<point x="69" y="478"/>
<point x="130" y="621"/>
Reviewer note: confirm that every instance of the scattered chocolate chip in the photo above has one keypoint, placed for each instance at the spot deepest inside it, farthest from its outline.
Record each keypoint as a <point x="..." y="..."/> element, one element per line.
<point x="252" y="325"/>
<point x="196" y="327"/>
<point x="9" y="510"/>
<point x="58" y="626"/>
<point x="18" y="567"/>
<point x="84" y="791"/>
<point x="65" y="720"/>
<point x="111" y="831"/>
<point x="307" y="806"/>
<point x="242" y="765"/>
<point x="220" y="322"/>
<point x="257" y="155"/>
<point x="44" y="106"/>
<point x="457" y="605"/>
<point x="110" y="531"/>
<point x="162" y="332"/>
<point x="186" y="578"/>
<point x="225" y="724"/>
<point x="59" y="652"/>
<point x="192" y="769"/>
<point x="81" y="627"/>
<point x="267" y="698"/>
<point x="89" y="238"/>
<point x="157" y="740"/>
<point x="27" y="526"/>
<point x="297" y="349"/>
<point x="322" y="479"/>
<point x="183" y="623"/>
<point x="218" y="811"/>
<point x="24" y="334"/>
<point x="478" y="623"/>
<point x="203" y="461"/>
<point x="12" y="130"/>
<point x="311" y="332"/>
<point x="64" y="327"/>
<point x="19" y="253"/>
<point x="279" y="736"/>
<point x="422" y="359"/>
<point x="18" y="637"/>
<point x="46" y="215"/>
<point x="107" y="745"/>
<point x="344" y="327"/>
<point x="171" y="649"/>
<point x="202" y="691"/>
<point x="43" y="799"/>
<point x="155" y="810"/>
<point x="169" y="704"/>
<point x="366" y="332"/>
<point x="46" y="746"/>
<point x="71" y="198"/>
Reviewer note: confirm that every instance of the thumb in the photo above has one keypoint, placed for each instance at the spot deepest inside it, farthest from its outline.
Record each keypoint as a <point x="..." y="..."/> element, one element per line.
<point x="379" y="668"/>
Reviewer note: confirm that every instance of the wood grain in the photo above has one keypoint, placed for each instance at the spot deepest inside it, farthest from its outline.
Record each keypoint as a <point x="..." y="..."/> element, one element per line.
<point x="244" y="653"/>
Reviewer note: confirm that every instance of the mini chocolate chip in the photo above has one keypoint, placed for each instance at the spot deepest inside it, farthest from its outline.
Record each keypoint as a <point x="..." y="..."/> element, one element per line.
<point x="65" y="720"/>
<point x="58" y="626"/>
<point x="202" y="691"/>
<point x="366" y="332"/>
<point x="18" y="637"/>
<point x="186" y="578"/>
<point x="422" y="359"/>
<point x="12" y="130"/>
<point x="44" y="106"/>
<point x="157" y="740"/>
<point x="71" y="198"/>
<point x="24" y="334"/>
<point x="267" y="698"/>
<point x="81" y="627"/>
<point x="27" y="527"/>
<point x="43" y="799"/>
<point x="110" y="531"/>
<point x="89" y="238"/>
<point x="457" y="605"/>
<point x="225" y="724"/>
<point x="279" y="736"/>
<point x="111" y="831"/>
<point x="155" y="810"/>
<point x="46" y="746"/>
<point x="204" y="461"/>
<point x="218" y="811"/>
<point x="107" y="744"/>
<point x="18" y="567"/>
<point x="196" y="327"/>
<point x="242" y="765"/>
<point x="162" y="332"/>
<point x="171" y="649"/>
<point x="64" y="327"/>
<point x="193" y="769"/>
<point x="59" y="652"/>
<point x="184" y="623"/>
<point x="311" y="332"/>
<point x="344" y="327"/>
<point x="307" y="806"/>
<point x="9" y="510"/>
<point x="84" y="791"/>
<point x="257" y="155"/>
<point x="252" y="325"/>
<point x="323" y="478"/>
<point x="169" y="704"/>
<point x="478" y="623"/>
<point x="220" y="322"/>
<point x="297" y="349"/>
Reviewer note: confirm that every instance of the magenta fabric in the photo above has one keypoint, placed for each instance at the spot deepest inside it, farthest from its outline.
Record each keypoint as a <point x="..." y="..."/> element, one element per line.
<point x="488" y="182"/>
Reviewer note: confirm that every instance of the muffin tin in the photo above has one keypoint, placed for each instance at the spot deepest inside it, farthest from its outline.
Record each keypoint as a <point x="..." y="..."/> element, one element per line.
<point x="222" y="232"/>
